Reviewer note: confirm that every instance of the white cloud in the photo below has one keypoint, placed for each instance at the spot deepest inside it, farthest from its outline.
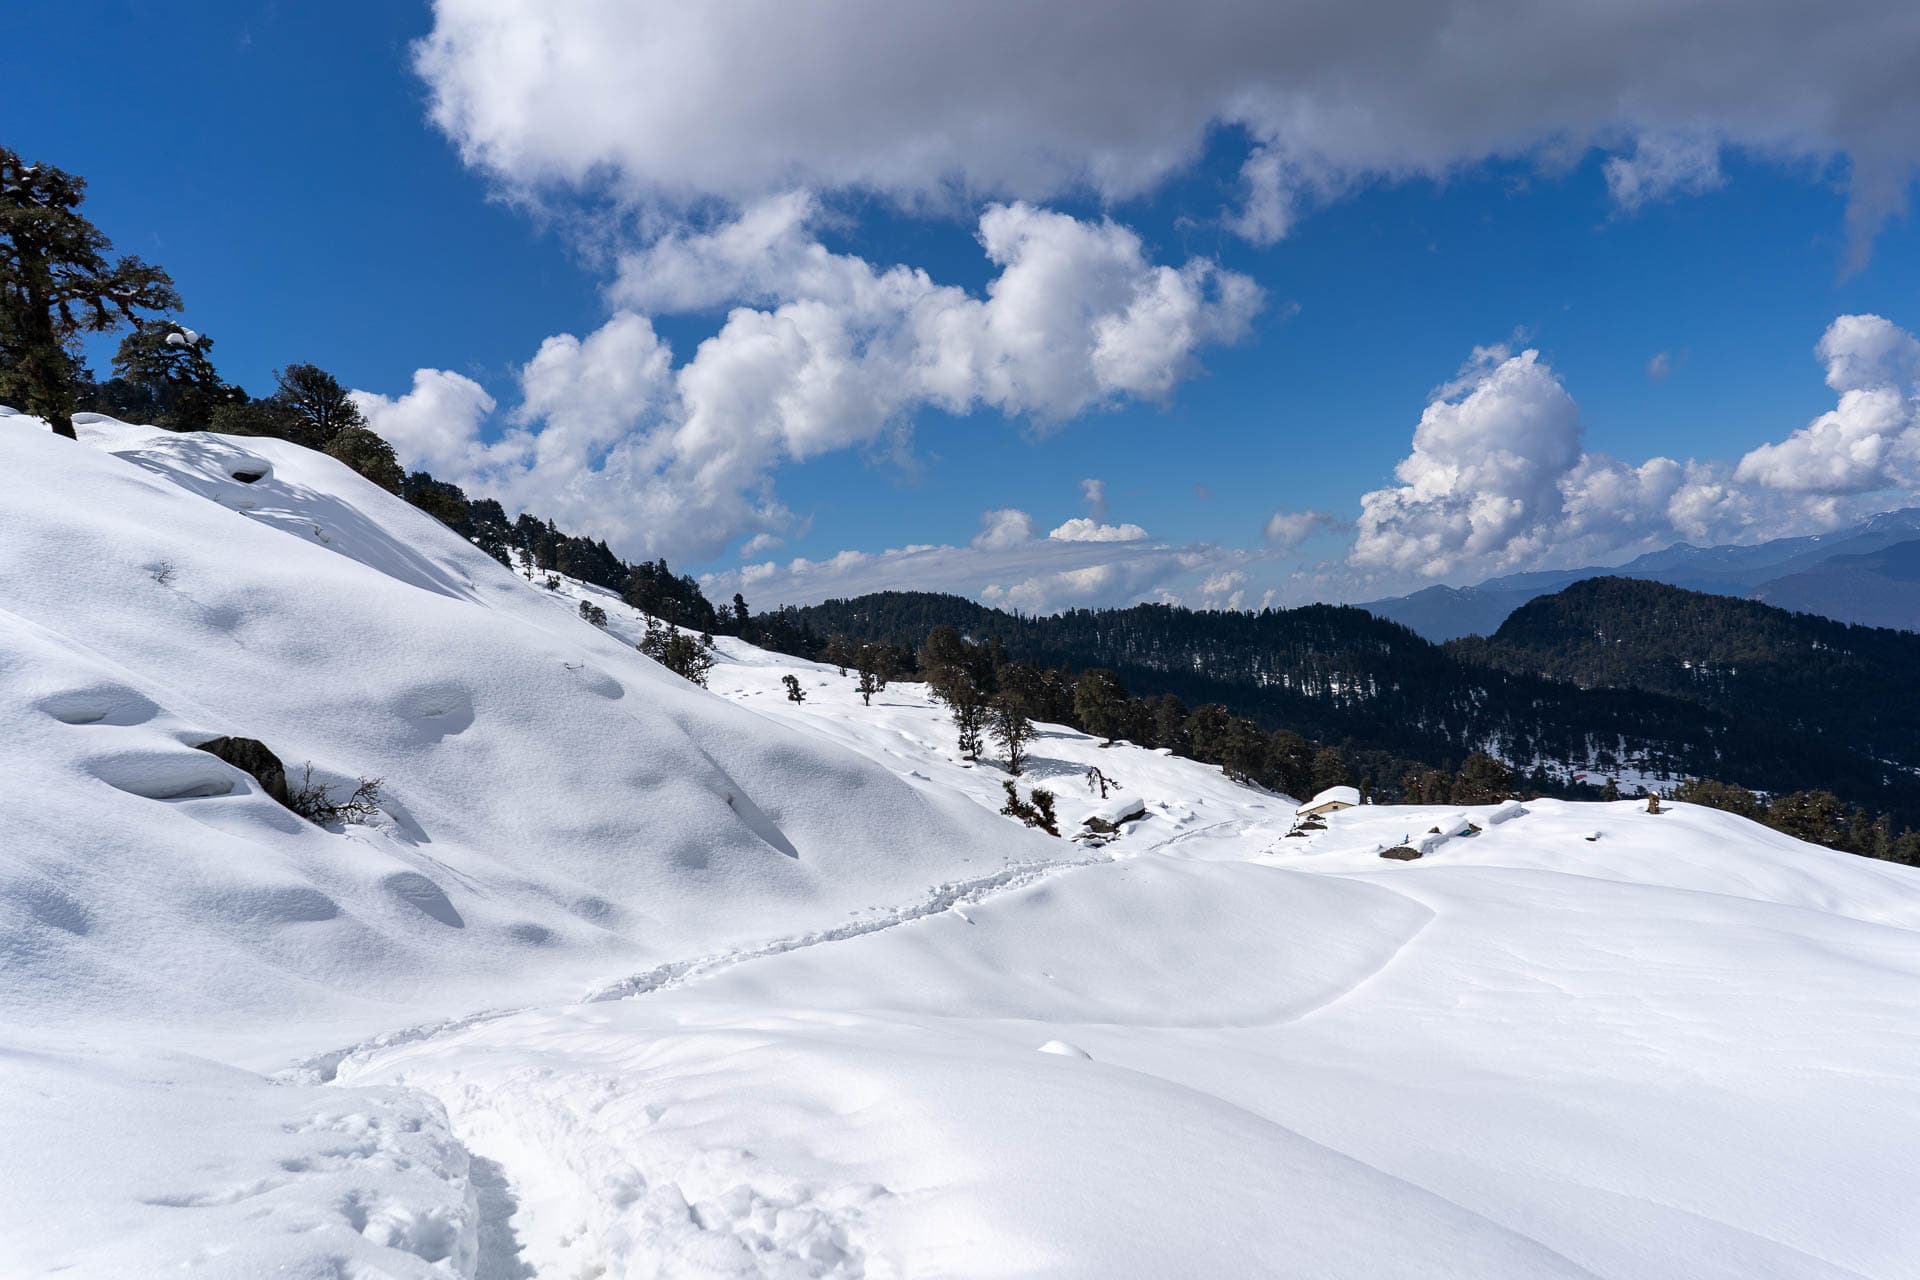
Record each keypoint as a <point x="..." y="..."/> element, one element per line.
<point x="1286" y="530"/>
<point x="1095" y="492"/>
<point x="1498" y="478"/>
<point x="1006" y="566"/>
<point x="611" y="437"/>
<point x="1659" y="365"/>
<point x="1484" y="474"/>
<point x="1086" y="529"/>
<point x="1004" y="528"/>
<point x="1662" y="166"/>
<point x="1870" y="440"/>
<point x="758" y="543"/>
<point x="435" y="425"/>
<point x="676" y="106"/>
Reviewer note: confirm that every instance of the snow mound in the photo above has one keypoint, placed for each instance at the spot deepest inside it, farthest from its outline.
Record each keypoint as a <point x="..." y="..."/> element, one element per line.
<point x="556" y="809"/>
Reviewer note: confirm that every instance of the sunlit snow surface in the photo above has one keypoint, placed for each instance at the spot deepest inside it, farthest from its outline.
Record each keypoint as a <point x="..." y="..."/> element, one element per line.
<point x="848" y="1020"/>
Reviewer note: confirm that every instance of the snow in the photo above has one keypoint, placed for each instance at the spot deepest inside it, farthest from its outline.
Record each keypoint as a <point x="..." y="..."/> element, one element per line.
<point x="633" y="979"/>
<point x="1331" y="796"/>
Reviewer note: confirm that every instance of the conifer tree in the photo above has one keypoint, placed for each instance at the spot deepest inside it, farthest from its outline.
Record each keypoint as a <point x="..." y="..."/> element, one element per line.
<point x="320" y="407"/>
<point x="171" y="366"/>
<point x="1012" y="729"/>
<point x="839" y="652"/>
<point x="368" y="454"/>
<point x="56" y="284"/>
<point x="795" y="694"/>
<point x="1482" y="780"/>
<point x="1329" y="770"/>
<point x="1099" y="703"/>
<point x="740" y="613"/>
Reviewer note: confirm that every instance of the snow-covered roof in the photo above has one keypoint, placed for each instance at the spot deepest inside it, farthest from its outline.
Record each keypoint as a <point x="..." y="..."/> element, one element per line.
<point x="1332" y="797"/>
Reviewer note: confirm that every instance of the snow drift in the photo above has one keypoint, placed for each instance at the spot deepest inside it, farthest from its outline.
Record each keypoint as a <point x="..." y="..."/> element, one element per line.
<point x="630" y="979"/>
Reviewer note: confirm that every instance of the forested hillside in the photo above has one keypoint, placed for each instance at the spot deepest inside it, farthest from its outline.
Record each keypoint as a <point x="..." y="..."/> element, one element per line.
<point x="1823" y="680"/>
<point x="1343" y="676"/>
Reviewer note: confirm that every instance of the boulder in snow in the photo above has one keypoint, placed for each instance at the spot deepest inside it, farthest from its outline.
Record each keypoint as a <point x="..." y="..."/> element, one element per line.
<point x="252" y="756"/>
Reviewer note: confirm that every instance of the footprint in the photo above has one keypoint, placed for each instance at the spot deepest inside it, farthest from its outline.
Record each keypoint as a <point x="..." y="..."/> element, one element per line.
<point x="102" y="703"/>
<point x="182" y="775"/>
<point x="424" y="896"/>
<point x="437" y="711"/>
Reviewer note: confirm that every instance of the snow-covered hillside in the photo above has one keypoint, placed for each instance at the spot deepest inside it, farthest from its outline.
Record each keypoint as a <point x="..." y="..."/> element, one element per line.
<point x="632" y="979"/>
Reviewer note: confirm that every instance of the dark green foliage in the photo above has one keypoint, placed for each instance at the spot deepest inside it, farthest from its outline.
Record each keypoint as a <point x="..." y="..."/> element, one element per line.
<point x="445" y="502"/>
<point x="591" y="612"/>
<point x="1393" y="702"/>
<point x="317" y="406"/>
<point x="795" y="694"/>
<point x="1329" y="770"/>
<point x="1718" y="795"/>
<point x="839" y="652"/>
<point x="241" y="417"/>
<point x="651" y="588"/>
<point x="867" y="660"/>
<point x="1482" y="780"/>
<point x="1012" y="729"/>
<point x="1099" y="700"/>
<point x="56" y="285"/>
<point x="165" y="377"/>
<point x="677" y="651"/>
<point x="1038" y="811"/>
<point x="368" y="454"/>
<point x="741" y="614"/>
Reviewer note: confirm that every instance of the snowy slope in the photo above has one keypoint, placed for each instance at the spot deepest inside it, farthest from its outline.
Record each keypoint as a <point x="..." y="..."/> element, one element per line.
<point x="740" y="987"/>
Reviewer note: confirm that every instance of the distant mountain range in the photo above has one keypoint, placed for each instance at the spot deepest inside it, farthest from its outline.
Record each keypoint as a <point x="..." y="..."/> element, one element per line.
<point x="1869" y="574"/>
<point x="1606" y="674"/>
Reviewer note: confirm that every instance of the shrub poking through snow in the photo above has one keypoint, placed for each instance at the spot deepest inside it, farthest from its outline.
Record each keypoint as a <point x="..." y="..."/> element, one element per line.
<point x="312" y="801"/>
<point x="593" y="613"/>
<point x="1035" y="812"/>
<point x="795" y="693"/>
<point x="676" y="651"/>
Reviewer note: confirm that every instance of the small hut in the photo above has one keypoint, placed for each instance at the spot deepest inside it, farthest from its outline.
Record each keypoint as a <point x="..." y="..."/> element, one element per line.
<point x="1328" y="801"/>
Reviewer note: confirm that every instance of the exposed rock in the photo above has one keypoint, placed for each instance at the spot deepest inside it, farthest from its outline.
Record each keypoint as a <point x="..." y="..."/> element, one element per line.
<point x="1400" y="853"/>
<point x="252" y="756"/>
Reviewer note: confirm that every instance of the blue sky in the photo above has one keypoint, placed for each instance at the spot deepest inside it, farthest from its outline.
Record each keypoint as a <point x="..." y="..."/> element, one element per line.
<point x="283" y="163"/>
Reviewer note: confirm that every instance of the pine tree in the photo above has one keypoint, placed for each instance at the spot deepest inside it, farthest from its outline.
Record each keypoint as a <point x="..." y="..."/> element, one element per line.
<point x="1099" y="703"/>
<point x="368" y="454"/>
<point x="676" y="651"/>
<point x="1329" y="770"/>
<point x="740" y="613"/>
<point x="839" y="652"/>
<point x="171" y="367"/>
<point x="1012" y="730"/>
<point x="320" y="407"/>
<point x="1482" y="780"/>
<point x="56" y="285"/>
<point x="795" y="694"/>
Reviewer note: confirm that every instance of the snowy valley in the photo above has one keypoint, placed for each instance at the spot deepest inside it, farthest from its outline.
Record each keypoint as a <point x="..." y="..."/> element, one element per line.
<point x="626" y="978"/>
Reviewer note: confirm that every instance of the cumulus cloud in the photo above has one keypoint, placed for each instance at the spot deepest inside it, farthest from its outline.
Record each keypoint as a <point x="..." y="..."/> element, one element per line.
<point x="435" y="425"/>
<point x="1086" y="529"/>
<point x="1484" y="473"/>
<point x="679" y="105"/>
<point x="611" y="436"/>
<point x="1286" y="530"/>
<point x="1498" y="477"/>
<point x="1870" y="440"/>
